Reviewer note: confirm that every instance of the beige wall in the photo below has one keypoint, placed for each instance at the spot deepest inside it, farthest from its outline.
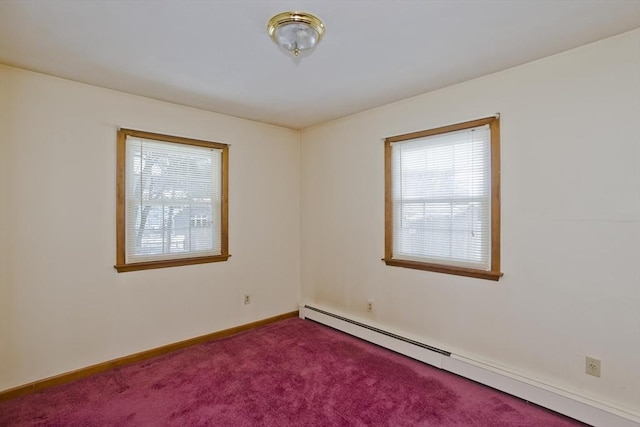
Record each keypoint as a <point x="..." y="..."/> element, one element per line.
<point x="570" y="229"/>
<point x="62" y="304"/>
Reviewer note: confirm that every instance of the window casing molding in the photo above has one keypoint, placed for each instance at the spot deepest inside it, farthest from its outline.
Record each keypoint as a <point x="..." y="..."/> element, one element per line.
<point x="122" y="265"/>
<point x="390" y="258"/>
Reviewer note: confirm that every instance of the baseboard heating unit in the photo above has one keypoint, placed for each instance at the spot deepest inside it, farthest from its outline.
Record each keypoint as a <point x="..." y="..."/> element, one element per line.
<point x="570" y="404"/>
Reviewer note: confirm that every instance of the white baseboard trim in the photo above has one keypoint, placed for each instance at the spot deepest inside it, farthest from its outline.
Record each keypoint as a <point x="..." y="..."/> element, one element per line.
<point x="572" y="405"/>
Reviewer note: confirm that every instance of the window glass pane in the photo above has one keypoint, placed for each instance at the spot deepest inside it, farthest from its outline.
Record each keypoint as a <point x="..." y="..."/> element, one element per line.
<point x="442" y="198"/>
<point x="173" y="201"/>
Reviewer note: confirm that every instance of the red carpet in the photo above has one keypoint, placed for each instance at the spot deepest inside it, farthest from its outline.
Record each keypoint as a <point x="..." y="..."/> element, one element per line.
<point x="290" y="373"/>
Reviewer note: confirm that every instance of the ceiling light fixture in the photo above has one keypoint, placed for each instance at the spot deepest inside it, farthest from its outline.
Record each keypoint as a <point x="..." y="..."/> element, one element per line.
<point x="296" y="32"/>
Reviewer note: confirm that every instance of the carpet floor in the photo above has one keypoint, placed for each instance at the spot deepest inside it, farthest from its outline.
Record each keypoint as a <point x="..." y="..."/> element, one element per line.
<point x="290" y="373"/>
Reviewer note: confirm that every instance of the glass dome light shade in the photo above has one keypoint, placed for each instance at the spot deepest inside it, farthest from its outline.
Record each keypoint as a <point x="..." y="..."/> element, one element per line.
<point x="296" y="31"/>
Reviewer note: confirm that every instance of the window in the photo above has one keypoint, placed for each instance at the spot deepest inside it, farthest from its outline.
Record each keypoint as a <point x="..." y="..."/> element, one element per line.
<point x="442" y="199"/>
<point x="171" y="201"/>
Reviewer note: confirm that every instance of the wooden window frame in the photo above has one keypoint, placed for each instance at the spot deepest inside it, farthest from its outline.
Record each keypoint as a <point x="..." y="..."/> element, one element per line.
<point x="121" y="264"/>
<point x="494" y="272"/>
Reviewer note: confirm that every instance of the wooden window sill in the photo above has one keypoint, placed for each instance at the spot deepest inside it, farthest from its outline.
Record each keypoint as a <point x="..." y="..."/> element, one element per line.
<point x="169" y="263"/>
<point x="438" y="268"/>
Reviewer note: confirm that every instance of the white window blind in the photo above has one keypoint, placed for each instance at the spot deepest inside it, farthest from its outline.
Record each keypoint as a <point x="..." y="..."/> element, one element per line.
<point x="441" y="192"/>
<point x="173" y="200"/>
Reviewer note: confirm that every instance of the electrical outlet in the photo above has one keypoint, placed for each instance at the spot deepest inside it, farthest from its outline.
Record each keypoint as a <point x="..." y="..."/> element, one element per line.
<point x="592" y="366"/>
<point x="370" y="306"/>
<point x="247" y="299"/>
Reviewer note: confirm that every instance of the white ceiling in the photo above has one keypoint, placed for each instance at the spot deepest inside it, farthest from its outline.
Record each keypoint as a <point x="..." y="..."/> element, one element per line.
<point x="216" y="54"/>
